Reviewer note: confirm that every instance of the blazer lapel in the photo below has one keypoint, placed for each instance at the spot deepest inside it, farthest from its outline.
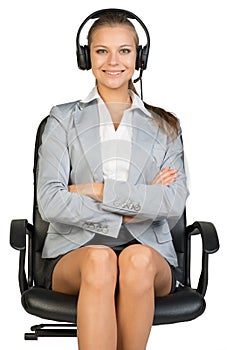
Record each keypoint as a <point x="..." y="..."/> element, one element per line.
<point x="88" y="132"/>
<point x="87" y="123"/>
<point x="144" y="136"/>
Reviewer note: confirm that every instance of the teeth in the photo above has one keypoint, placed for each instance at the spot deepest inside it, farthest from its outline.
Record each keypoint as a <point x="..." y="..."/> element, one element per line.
<point x="113" y="73"/>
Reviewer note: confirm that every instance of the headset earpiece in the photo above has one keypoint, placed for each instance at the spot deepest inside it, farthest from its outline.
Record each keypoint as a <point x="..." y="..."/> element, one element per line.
<point x="83" y="57"/>
<point x="138" y="57"/>
<point x="144" y="57"/>
<point x="141" y="57"/>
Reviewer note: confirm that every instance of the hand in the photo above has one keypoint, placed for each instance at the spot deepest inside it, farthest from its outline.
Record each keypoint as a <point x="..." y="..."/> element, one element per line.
<point x="130" y="219"/>
<point x="165" y="177"/>
<point x="93" y="190"/>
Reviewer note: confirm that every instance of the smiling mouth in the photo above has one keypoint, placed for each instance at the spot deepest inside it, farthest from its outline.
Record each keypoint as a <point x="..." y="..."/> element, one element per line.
<point x="113" y="73"/>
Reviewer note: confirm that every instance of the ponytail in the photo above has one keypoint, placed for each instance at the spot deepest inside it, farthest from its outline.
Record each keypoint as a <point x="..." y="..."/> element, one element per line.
<point x="166" y="120"/>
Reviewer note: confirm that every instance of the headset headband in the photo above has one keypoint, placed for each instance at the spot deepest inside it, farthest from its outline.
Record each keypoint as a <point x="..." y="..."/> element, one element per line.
<point x="83" y="58"/>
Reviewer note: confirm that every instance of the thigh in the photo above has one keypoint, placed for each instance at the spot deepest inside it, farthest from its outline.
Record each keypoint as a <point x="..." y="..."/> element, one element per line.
<point x="155" y="266"/>
<point x="66" y="273"/>
<point x="164" y="279"/>
<point x="66" y="277"/>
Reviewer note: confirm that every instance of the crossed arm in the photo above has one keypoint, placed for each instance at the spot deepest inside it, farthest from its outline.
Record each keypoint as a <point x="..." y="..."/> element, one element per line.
<point x="94" y="190"/>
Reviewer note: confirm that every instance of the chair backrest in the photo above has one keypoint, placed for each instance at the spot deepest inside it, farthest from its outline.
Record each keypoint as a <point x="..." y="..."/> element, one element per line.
<point x="180" y="244"/>
<point x="41" y="227"/>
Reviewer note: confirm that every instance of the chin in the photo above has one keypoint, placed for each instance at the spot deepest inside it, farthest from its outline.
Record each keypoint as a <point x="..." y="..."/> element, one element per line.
<point x="116" y="85"/>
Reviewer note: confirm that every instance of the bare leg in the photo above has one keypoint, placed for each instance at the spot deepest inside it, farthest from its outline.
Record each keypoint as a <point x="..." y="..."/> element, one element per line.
<point x="143" y="274"/>
<point x="91" y="272"/>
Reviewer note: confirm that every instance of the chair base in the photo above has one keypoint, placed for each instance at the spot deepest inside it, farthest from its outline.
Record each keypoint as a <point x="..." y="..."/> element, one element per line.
<point x="51" y="330"/>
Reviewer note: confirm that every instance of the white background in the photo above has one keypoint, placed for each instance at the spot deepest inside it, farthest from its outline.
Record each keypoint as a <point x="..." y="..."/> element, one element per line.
<point x="186" y="74"/>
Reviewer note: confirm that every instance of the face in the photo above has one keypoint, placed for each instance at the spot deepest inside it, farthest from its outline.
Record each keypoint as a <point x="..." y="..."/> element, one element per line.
<point x="113" y="56"/>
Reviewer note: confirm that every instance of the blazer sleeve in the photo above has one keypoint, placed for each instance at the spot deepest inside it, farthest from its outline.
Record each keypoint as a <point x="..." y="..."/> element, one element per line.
<point x="58" y="205"/>
<point x="147" y="201"/>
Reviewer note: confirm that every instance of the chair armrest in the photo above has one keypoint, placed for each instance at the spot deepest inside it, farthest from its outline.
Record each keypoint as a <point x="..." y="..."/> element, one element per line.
<point x="210" y="245"/>
<point x="18" y="231"/>
<point x="208" y="233"/>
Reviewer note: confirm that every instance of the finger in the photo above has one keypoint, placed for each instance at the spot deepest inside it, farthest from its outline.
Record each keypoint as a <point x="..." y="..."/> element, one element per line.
<point x="169" y="179"/>
<point x="165" y="178"/>
<point x="165" y="170"/>
<point x="165" y="174"/>
<point x="169" y="174"/>
<point x="72" y="188"/>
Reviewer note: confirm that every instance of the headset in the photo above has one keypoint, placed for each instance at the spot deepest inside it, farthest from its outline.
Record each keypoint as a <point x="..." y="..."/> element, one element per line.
<point x="83" y="52"/>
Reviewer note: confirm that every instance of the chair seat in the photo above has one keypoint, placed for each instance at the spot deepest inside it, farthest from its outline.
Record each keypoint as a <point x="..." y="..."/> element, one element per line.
<point x="50" y="305"/>
<point x="184" y="305"/>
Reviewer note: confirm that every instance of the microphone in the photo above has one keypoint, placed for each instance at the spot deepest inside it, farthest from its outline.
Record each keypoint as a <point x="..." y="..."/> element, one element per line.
<point x="139" y="77"/>
<point x="141" y="84"/>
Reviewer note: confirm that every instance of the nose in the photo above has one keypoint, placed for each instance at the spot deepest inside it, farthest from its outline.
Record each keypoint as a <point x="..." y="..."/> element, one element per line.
<point x="113" y="58"/>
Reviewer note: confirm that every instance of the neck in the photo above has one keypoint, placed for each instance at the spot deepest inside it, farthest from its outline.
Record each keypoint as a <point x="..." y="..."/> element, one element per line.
<point x="117" y="101"/>
<point x="114" y="95"/>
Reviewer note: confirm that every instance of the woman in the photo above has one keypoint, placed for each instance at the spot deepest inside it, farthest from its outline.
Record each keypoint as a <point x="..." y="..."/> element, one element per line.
<point x="110" y="174"/>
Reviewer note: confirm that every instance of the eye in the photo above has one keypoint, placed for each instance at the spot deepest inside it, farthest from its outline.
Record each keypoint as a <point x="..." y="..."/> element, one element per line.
<point x="101" y="51"/>
<point x="125" y="51"/>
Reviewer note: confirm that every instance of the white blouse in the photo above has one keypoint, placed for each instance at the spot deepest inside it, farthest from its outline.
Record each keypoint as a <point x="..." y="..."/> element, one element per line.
<point x="116" y="145"/>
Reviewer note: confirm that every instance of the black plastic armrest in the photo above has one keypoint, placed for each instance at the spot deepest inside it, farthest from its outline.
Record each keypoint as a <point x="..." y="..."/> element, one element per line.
<point x="208" y="233"/>
<point x="18" y="231"/>
<point x="210" y="245"/>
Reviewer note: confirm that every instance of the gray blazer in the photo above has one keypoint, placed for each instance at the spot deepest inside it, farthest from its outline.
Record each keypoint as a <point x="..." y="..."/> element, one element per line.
<point x="71" y="153"/>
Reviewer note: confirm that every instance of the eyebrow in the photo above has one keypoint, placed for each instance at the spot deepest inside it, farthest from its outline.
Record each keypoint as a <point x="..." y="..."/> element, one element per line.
<point x="119" y="46"/>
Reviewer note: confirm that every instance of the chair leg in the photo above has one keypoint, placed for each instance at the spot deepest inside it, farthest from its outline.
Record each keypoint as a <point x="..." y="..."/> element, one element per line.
<point x="51" y="330"/>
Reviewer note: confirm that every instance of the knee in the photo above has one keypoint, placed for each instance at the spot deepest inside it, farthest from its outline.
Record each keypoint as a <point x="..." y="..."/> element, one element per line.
<point x="137" y="268"/>
<point x="100" y="268"/>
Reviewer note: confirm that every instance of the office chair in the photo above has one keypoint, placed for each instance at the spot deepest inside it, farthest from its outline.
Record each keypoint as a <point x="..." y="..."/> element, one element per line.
<point x="185" y="304"/>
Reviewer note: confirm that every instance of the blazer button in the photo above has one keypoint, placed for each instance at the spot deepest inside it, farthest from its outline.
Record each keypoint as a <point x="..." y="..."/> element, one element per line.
<point x="117" y="203"/>
<point x="137" y="207"/>
<point x="105" y="230"/>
